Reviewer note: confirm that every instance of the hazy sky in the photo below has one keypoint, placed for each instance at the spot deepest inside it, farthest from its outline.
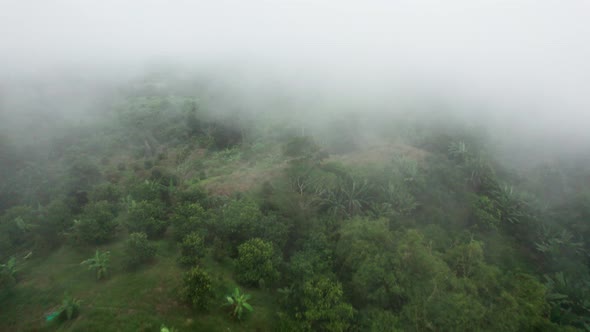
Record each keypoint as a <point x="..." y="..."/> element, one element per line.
<point x="530" y="57"/>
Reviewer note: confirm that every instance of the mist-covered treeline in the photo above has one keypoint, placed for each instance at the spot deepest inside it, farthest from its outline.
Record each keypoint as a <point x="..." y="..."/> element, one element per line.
<point x="334" y="220"/>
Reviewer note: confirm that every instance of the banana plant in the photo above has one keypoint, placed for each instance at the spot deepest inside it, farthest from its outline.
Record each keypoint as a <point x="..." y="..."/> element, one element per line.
<point x="238" y="302"/>
<point x="69" y="308"/>
<point x="99" y="263"/>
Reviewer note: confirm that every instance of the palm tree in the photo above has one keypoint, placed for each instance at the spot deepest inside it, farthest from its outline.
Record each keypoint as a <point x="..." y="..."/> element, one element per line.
<point x="99" y="263"/>
<point x="347" y="200"/>
<point x="237" y="302"/>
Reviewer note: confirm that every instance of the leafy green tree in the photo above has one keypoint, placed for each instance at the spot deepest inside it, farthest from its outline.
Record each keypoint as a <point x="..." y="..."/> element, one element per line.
<point x="240" y="220"/>
<point x="57" y="220"/>
<point x="105" y="192"/>
<point x="138" y="250"/>
<point x="146" y="191"/>
<point x="322" y="307"/>
<point x="96" y="224"/>
<point x="257" y="261"/>
<point x="188" y="218"/>
<point x="192" y="249"/>
<point x="18" y="223"/>
<point x="238" y="302"/>
<point x="197" y="288"/>
<point x="148" y="217"/>
<point x="99" y="263"/>
<point x="378" y="320"/>
<point x="366" y="253"/>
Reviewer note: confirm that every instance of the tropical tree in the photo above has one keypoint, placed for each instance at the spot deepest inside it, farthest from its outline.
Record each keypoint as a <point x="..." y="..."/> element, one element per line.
<point x="196" y="289"/>
<point x="96" y="224"/>
<point x="238" y="302"/>
<point x="138" y="250"/>
<point x="99" y="263"/>
<point x="147" y="217"/>
<point x="257" y="262"/>
<point x="192" y="249"/>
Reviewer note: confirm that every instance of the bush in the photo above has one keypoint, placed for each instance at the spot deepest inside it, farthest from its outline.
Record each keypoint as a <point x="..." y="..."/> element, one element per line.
<point x="147" y="217"/>
<point x="138" y="250"/>
<point x="105" y="192"/>
<point x="197" y="289"/>
<point x="192" y="249"/>
<point x="97" y="223"/>
<point x="188" y="218"/>
<point x="57" y="219"/>
<point x="257" y="263"/>
<point x="17" y="223"/>
<point x="8" y="274"/>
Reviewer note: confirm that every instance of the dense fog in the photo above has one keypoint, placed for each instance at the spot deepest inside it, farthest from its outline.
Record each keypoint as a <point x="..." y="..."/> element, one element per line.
<point x="520" y="65"/>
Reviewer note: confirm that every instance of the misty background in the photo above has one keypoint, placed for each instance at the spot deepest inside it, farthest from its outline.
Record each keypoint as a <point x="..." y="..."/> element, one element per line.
<point x="519" y="68"/>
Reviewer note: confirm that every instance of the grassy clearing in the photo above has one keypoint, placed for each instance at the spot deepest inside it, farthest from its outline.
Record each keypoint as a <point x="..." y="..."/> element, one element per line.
<point x="140" y="300"/>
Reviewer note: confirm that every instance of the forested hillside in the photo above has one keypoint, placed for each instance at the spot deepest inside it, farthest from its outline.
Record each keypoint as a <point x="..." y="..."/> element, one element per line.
<point x="171" y="209"/>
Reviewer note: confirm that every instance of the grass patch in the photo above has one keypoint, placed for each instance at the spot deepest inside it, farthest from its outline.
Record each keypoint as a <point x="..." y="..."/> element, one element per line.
<point x="139" y="300"/>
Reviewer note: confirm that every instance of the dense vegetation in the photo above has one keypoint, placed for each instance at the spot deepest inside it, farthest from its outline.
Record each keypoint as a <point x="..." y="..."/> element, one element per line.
<point x="191" y="219"/>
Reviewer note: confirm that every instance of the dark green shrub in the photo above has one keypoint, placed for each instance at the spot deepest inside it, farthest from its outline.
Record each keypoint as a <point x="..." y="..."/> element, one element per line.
<point x="69" y="309"/>
<point x="106" y="192"/>
<point x="192" y="249"/>
<point x="300" y="147"/>
<point x="147" y="217"/>
<point x="197" y="289"/>
<point x="188" y="218"/>
<point x="146" y="191"/>
<point x="138" y="250"/>
<point x="240" y="220"/>
<point x="8" y="274"/>
<point x="17" y="223"/>
<point x="96" y="224"/>
<point x="257" y="262"/>
<point x="57" y="219"/>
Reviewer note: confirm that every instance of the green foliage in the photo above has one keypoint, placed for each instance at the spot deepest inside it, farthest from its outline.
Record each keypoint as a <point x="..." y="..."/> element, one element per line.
<point x="568" y="298"/>
<point x="18" y="224"/>
<point x="240" y="220"/>
<point x="303" y="147"/>
<point x="8" y="274"/>
<point x="138" y="250"/>
<point x="348" y="200"/>
<point x="188" y="218"/>
<point x="57" y="220"/>
<point x="99" y="263"/>
<point x="96" y="224"/>
<point x="146" y="191"/>
<point x="321" y="305"/>
<point x="378" y="320"/>
<point x="238" y="302"/>
<point x="69" y="308"/>
<point x="485" y="212"/>
<point x="147" y="217"/>
<point x="197" y="288"/>
<point x="257" y="260"/>
<point x="163" y="328"/>
<point x="105" y="192"/>
<point x="192" y="249"/>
